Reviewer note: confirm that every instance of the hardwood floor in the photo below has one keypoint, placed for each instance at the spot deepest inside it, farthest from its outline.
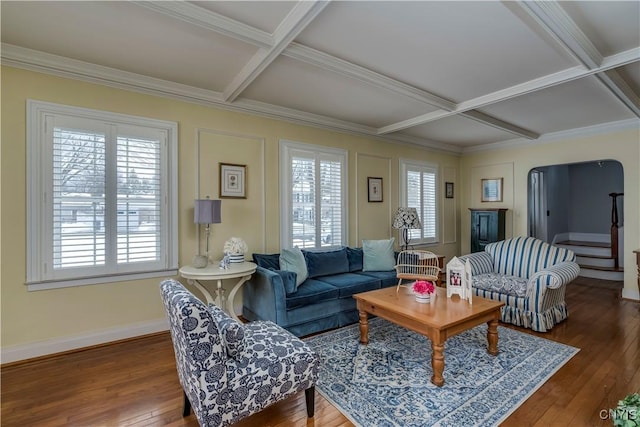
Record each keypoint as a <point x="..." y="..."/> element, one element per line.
<point x="134" y="383"/>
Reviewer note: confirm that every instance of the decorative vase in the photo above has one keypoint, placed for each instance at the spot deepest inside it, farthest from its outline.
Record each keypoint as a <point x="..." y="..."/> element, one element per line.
<point x="423" y="298"/>
<point x="236" y="258"/>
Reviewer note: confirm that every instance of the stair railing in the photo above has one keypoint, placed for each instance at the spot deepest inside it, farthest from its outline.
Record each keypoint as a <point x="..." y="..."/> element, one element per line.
<point x="614" y="229"/>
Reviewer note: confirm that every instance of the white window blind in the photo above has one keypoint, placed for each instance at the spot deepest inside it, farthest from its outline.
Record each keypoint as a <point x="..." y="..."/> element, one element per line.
<point x="313" y="202"/>
<point x="102" y="192"/>
<point x="418" y="190"/>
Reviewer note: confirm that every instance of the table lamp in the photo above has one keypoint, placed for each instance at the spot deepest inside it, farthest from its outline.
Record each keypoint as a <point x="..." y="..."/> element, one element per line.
<point x="405" y="219"/>
<point x="206" y="211"/>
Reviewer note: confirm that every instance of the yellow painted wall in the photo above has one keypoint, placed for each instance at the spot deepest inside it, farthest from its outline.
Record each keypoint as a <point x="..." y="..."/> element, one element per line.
<point x="207" y="136"/>
<point x="514" y="164"/>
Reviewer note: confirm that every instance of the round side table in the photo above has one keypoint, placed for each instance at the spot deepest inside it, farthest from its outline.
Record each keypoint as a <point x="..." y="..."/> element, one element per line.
<point x="241" y="271"/>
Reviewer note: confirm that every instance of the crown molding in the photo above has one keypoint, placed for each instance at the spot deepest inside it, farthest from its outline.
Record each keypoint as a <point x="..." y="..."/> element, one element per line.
<point x="55" y="65"/>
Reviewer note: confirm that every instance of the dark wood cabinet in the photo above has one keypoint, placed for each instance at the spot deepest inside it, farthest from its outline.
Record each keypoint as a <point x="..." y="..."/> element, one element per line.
<point x="487" y="226"/>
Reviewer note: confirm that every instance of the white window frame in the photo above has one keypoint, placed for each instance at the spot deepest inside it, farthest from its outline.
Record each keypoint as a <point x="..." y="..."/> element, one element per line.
<point x="287" y="150"/>
<point x="423" y="167"/>
<point x="40" y="273"/>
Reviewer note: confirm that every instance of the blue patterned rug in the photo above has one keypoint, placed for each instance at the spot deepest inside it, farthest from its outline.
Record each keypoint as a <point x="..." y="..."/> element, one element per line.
<point x="387" y="382"/>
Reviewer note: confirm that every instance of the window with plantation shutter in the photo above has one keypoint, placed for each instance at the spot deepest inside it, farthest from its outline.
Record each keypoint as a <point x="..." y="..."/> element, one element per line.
<point x="418" y="181"/>
<point x="313" y="180"/>
<point x="101" y="197"/>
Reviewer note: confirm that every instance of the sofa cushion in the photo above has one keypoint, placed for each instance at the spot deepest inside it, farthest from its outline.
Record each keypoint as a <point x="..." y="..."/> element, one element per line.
<point x="311" y="292"/>
<point x="378" y="255"/>
<point x="354" y="255"/>
<point x="268" y="261"/>
<point x="327" y="262"/>
<point x="502" y="283"/>
<point x="387" y="278"/>
<point x="351" y="283"/>
<point x="288" y="280"/>
<point x="293" y="260"/>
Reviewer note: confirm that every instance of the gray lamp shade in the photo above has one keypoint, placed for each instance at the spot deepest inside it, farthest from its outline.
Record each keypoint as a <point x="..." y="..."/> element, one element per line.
<point x="407" y="218"/>
<point x="207" y="211"/>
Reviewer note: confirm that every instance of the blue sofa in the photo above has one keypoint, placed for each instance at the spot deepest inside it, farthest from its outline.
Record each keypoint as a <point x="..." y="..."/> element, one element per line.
<point x="530" y="276"/>
<point x="323" y="301"/>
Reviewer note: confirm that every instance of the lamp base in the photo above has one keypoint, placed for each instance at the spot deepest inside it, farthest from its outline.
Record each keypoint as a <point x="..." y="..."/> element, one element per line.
<point x="200" y="261"/>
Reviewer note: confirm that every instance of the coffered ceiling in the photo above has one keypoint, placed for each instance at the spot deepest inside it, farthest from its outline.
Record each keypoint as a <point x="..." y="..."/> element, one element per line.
<point x="451" y="75"/>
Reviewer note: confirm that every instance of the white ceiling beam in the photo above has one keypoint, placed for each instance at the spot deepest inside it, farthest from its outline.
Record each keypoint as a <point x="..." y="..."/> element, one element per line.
<point x="328" y="62"/>
<point x="211" y="21"/>
<point x="298" y="18"/>
<point x="544" y="82"/>
<point x="555" y="21"/>
<point x="499" y="124"/>
<point x="621" y="90"/>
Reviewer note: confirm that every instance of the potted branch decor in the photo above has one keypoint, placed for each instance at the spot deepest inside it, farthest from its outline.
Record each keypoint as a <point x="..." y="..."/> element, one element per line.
<point x="235" y="248"/>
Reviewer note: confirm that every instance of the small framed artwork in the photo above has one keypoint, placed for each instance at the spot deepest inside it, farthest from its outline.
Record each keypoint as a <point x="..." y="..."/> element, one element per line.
<point x="233" y="181"/>
<point x="375" y="189"/>
<point x="492" y="190"/>
<point x="448" y="190"/>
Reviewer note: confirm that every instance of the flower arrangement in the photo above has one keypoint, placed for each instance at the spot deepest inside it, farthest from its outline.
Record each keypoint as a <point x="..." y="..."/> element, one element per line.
<point x="423" y="287"/>
<point x="235" y="246"/>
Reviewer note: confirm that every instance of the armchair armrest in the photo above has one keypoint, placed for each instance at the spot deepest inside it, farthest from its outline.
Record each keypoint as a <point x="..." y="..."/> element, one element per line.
<point x="556" y="275"/>
<point x="264" y="294"/>
<point x="481" y="262"/>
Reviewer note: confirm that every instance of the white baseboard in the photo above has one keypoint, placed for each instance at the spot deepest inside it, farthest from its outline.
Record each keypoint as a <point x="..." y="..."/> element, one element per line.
<point x="59" y="345"/>
<point x="633" y="294"/>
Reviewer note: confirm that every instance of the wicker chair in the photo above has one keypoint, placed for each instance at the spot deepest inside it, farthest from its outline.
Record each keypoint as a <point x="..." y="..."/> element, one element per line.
<point x="415" y="265"/>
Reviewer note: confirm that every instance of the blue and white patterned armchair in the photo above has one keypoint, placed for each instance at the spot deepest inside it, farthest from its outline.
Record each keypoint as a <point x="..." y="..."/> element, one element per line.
<point x="530" y="276"/>
<point x="229" y="371"/>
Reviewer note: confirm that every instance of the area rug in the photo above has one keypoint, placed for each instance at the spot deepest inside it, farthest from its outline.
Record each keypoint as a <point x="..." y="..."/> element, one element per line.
<point x="387" y="382"/>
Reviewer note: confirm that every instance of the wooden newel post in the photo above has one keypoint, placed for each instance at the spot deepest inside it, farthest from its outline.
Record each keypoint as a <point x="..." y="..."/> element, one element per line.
<point x="614" y="228"/>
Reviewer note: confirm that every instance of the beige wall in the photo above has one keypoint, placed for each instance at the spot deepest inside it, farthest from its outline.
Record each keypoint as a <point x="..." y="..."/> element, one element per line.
<point x="33" y="322"/>
<point x="514" y="164"/>
<point x="44" y="321"/>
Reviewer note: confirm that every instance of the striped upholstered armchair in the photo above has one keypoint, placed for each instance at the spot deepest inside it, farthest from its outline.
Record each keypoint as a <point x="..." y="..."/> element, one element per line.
<point x="229" y="371"/>
<point x="529" y="276"/>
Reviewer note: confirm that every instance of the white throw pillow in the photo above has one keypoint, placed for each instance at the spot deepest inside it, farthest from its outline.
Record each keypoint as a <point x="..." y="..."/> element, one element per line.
<point x="378" y="255"/>
<point x="293" y="260"/>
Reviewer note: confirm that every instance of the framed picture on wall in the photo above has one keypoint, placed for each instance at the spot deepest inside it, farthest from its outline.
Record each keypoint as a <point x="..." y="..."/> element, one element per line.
<point x="233" y="181"/>
<point x="492" y="190"/>
<point x="448" y="190"/>
<point x="374" y="193"/>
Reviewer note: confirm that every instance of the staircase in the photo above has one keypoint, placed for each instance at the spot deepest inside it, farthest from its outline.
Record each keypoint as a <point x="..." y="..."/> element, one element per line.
<point x="593" y="255"/>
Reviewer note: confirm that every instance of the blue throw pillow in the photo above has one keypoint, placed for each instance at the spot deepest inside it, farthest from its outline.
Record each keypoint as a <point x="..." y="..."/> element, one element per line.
<point x="289" y="280"/>
<point x="293" y="260"/>
<point x="355" y="259"/>
<point x="378" y="255"/>
<point x="268" y="261"/>
<point x="326" y="263"/>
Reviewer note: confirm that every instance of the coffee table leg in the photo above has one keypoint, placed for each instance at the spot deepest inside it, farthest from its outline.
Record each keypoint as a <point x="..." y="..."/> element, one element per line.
<point x="437" y="364"/>
<point x="364" y="328"/>
<point x="492" y="337"/>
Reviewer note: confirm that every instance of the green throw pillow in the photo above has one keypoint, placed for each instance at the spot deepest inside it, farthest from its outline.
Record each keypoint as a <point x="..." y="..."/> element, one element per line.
<point x="293" y="260"/>
<point x="378" y="255"/>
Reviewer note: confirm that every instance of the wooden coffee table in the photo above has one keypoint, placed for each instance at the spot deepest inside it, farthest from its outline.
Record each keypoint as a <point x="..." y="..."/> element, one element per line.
<point x="442" y="319"/>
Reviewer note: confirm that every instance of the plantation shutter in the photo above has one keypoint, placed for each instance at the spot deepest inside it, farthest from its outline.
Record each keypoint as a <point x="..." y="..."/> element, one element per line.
<point x="78" y="198"/>
<point x="315" y="193"/>
<point x="139" y="199"/>
<point x="420" y="193"/>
